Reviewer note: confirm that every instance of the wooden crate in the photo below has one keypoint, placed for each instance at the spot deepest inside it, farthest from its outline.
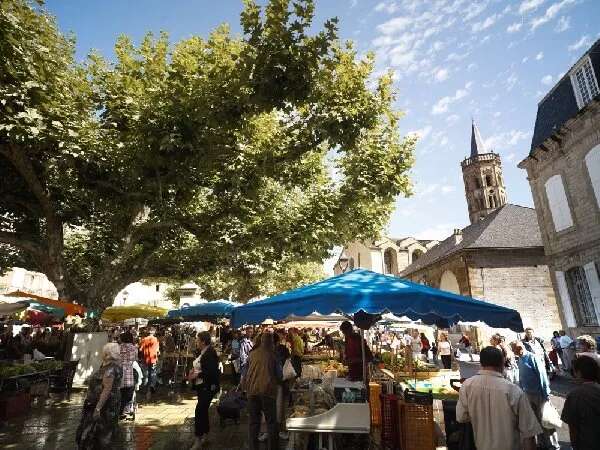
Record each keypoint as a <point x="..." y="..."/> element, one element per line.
<point x="14" y="405"/>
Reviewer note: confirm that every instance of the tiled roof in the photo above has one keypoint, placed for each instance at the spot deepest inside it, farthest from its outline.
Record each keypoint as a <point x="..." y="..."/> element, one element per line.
<point x="560" y="103"/>
<point x="510" y="226"/>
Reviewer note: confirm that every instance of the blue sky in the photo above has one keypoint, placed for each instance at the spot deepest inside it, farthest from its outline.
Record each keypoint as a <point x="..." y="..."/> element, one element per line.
<point x="454" y="59"/>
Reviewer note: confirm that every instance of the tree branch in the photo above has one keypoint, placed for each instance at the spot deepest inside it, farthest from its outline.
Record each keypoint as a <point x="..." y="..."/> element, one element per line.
<point x="27" y="172"/>
<point x="19" y="241"/>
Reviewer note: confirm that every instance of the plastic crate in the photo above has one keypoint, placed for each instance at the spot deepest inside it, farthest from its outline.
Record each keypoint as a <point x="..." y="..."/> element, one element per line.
<point x="390" y="438"/>
<point x="415" y="417"/>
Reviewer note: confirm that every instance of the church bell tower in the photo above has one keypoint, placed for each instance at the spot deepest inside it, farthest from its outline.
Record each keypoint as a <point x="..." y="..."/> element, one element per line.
<point x="482" y="174"/>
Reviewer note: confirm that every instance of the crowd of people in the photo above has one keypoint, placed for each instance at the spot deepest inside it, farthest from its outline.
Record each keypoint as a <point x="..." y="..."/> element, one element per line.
<point x="508" y="401"/>
<point x="48" y="341"/>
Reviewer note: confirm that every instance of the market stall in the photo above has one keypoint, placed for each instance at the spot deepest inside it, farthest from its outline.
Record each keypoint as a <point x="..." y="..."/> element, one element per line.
<point x="69" y="308"/>
<point x="209" y="311"/>
<point x="402" y="413"/>
<point x="122" y="313"/>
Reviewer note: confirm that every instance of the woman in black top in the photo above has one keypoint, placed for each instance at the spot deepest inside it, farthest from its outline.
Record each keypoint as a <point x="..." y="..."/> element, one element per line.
<point x="205" y="374"/>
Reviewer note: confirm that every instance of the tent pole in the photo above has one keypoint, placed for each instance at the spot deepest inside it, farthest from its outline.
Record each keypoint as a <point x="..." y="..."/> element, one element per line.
<point x="364" y="363"/>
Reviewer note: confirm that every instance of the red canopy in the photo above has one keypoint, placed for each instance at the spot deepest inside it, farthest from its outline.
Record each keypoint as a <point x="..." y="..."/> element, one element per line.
<point x="71" y="309"/>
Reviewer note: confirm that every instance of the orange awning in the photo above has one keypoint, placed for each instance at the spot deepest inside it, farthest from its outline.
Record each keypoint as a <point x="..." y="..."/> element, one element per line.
<point x="71" y="309"/>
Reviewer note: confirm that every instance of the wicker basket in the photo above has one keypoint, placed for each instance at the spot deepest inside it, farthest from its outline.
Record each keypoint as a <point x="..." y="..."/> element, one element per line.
<point x="390" y="439"/>
<point x="375" y="404"/>
<point x="416" y="426"/>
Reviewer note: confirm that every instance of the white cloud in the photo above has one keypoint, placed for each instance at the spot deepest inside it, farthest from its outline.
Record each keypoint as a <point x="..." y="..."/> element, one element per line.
<point x="529" y="5"/>
<point x="452" y="119"/>
<point x="456" y="56"/>
<point x="353" y="3"/>
<point x="421" y="133"/>
<point x="394" y="25"/>
<point x="474" y="10"/>
<point x="547" y="80"/>
<point x="442" y="105"/>
<point x="427" y="190"/>
<point x="525" y="59"/>
<point x="550" y="13"/>
<point x="513" y="28"/>
<point x="510" y="157"/>
<point x="472" y="67"/>
<point x="511" y="81"/>
<point x="438" y="232"/>
<point x="388" y="7"/>
<point x="484" y="24"/>
<point x="564" y="23"/>
<point x="506" y="139"/>
<point x="497" y="114"/>
<point x="539" y="56"/>
<point x="584" y="42"/>
<point x="441" y="75"/>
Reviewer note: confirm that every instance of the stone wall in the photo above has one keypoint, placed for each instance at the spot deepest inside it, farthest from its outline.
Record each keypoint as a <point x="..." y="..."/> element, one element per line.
<point x="517" y="279"/>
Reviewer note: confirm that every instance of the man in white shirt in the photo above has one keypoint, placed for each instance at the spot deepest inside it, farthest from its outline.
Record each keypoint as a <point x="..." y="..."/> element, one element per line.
<point x="567" y="352"/>
<point x="499" y="410"/>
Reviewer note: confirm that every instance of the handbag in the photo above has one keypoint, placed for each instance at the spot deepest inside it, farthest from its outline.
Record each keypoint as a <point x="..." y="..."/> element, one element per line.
<point x="550" y="416"/>
<point x="289" y="372"/>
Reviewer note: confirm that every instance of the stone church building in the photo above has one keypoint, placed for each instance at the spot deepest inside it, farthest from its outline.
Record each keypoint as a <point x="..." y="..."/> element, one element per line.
<point x="386" y="255"/>
<point x="499" y="257"/>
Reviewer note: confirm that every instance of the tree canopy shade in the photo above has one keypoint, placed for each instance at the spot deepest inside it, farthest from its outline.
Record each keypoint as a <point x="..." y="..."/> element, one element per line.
<point x="230" y="153"/>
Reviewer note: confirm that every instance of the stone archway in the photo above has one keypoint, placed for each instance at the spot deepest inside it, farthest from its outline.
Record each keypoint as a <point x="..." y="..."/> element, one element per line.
<point x="390" y="261"/>
<point x="449" y="282"/>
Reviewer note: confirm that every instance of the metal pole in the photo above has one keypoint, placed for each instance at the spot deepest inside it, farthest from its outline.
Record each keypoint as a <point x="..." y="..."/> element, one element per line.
<point x="364" y="363"/>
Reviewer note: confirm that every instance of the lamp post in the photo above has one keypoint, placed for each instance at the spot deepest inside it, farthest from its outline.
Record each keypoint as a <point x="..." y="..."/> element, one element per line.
<point x="343" y="261"/>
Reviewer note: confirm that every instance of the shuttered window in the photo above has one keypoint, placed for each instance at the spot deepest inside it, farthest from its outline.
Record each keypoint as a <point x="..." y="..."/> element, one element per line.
<point x="557" y="200"/>
<point x="592" y="161"/>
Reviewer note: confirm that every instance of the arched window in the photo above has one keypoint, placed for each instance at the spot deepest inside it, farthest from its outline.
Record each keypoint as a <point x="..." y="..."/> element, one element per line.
<point x="592" y="161"/>
<point x="389" y="261"/>
<point x="488" y="180"/>
<point x="557" y="201"/>
<point x="416" y="255"/>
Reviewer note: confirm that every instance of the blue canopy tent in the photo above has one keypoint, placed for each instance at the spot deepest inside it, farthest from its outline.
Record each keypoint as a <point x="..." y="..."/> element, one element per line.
<point x="375" y="293"/>
<point x="205" y="311"/>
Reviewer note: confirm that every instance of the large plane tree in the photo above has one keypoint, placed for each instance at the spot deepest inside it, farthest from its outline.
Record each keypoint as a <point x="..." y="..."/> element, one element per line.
<point x="221" y="154"/>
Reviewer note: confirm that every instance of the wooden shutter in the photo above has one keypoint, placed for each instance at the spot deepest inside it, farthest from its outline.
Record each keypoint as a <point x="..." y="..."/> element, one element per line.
<point x="559" y="206"/>
<point x="594" y="284"/>
<point x="592" y="161"/>
<point x="565" y="299"/>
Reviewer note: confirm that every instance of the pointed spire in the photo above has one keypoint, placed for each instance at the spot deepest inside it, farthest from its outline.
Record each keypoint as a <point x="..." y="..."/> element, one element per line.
<point x="477" y="147"/>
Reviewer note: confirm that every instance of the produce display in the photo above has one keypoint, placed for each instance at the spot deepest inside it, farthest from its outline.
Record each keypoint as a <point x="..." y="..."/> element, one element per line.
<point x="398" y="364"/>
<point x="332" y="364"/>
<point x="322" y="401"/>
<point x="14" y="370"/>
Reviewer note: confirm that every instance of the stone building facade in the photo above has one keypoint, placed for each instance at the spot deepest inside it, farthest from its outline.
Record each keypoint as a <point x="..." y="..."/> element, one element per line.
<point x="563" y="168"/>
<point x="499" y="259"/>
<point x="386" y="255"/>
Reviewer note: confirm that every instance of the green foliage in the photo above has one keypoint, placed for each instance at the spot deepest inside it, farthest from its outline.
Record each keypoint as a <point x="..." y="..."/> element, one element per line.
<point x="210" y="157"/>
<point x="243" y="285"/>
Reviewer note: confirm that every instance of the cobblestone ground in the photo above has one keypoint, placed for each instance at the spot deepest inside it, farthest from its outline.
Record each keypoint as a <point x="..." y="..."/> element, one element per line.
<point x="164" y="423"/>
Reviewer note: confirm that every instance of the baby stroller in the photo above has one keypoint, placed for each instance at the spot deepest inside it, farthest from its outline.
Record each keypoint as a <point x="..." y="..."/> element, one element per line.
<point x="230" y="405"/>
